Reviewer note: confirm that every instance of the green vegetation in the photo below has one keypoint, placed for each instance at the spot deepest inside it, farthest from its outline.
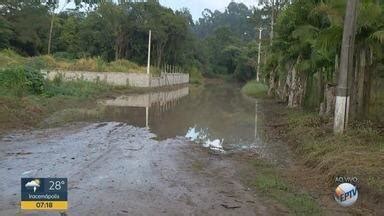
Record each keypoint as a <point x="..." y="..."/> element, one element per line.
<point x="304" y="59"/>
<point x="220" y="43"/>
<point x="300" y="57"/>
<point x="20" y="81"/>
<point x="78" y="88"/>
<point x="26" y="97"/>
<point x="269" y="181"/>
<point x="195" y="76"/>
<point x="376" y="110"/>
<point x="359" y="152"/>
<point x="111" y="31"/>
<point x="9" y="58"/>
<point x="255" y="89"/>
<point x="226" y="41"/>
<point x="96" y="65"/>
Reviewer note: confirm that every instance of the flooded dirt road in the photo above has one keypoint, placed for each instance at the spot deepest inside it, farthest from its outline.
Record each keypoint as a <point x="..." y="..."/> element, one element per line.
<point x="134" y="159"/>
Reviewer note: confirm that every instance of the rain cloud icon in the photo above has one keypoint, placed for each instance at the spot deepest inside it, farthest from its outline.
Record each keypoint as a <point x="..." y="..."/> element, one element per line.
<point x="34" y="183"/>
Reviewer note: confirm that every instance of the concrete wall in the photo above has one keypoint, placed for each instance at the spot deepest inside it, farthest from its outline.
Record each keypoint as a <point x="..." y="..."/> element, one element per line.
<point x="166" y="79"/>
<point x="122" y="79"/>
<point x="147" y="99"/>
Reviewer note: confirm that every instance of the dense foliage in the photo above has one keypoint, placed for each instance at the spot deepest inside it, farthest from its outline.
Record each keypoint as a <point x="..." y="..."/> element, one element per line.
<point x="228" y="40"/>
<point x="303" y="64"/>
<point x="300" y="52"/>
<point x="111" y="31"/>
<point x="219" y="43"/>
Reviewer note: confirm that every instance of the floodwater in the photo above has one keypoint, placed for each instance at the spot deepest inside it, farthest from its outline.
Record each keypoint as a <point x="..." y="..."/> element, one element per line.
<point x="220" y="111"/>
<point x="134" y="158"/>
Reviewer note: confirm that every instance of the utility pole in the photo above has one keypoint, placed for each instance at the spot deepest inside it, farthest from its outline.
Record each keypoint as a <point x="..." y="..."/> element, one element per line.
<point x="259" y="56"/>
<point x="346" y="68"/>
<point x="272" y="20"/>
<point x="149" y="52"/>
<point x="50" y="32"/>
<point x="53" y="8"/>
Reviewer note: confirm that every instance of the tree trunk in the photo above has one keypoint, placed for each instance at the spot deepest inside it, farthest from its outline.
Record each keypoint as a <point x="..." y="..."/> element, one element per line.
<point x="322" y="97"/>
<point x="288" y="83"/>
<point x="285" y="83"/>
<point x="272" y="83"/>
<point x="322" y="84"/>
<point x="330" y="90"/>
<point x="272" y="21"/>
<point x="360" y="83"/>
<point x="367" y="86"/>
<point x="282" y="90"/>
<point x="160" y="50"/>
<point x="297" y="86"/>
<point x="353" y="83"/>
<point x="336" y="71"/>
<point x="116" y="52"/>
<point x="330" y="94"/>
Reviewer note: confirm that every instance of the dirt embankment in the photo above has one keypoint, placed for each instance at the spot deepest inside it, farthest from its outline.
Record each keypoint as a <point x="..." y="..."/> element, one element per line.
<point x="30" y="111"/>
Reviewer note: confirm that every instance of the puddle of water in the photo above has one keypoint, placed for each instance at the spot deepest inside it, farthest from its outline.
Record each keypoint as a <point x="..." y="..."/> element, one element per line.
<point x="219" y="112"/>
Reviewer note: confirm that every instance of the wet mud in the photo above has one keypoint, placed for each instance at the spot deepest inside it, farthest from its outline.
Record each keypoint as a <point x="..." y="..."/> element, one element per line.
<point x="117" y="169"/>
<point x="132" y="157"/>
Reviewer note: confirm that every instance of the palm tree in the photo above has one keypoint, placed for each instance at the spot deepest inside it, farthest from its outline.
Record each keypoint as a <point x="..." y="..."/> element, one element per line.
<point x="305" y="54"/>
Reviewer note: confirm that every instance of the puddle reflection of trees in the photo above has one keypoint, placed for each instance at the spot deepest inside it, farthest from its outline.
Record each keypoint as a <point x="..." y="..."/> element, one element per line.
<point x="136" y="108"/>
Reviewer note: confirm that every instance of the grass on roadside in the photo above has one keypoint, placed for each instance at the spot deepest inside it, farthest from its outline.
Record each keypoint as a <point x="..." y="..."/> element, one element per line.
<point x="195" y="76"/>
<point x="9" y="58"/>
<point x="255" y="89"/>
<point x="76" y="88"/>
<point x="357" y="153"/>
<point x="269" y="181"/>
<point x="25" y="97"/>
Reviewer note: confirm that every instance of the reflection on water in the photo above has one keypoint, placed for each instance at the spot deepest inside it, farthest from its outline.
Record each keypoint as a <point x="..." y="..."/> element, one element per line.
<point x="140" y="109"/>
<point x="161" y="98"/>
<point x="159" y="101"/>
<point x="220" y="110"/>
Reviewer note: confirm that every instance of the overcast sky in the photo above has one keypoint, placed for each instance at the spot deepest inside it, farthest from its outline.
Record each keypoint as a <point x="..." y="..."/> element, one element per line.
<point x="195" y="6"/>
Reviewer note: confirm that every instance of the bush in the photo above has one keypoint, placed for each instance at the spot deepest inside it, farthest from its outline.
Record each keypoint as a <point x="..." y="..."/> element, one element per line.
<point x="35" y="81"/>
<point x="64" y="55"/>
<point x="66" y="61"/>
<point x="12" y="81"/>
<point x="195" y="76"/>
<point x="10" y="58"/>
<point x="244" y="69"/>
<point x="123" y="66"/>
<point x="255" y="89"/>
<point x="19" y="80"/>
<point x="41" y="62"/>
<point x="88" y="64"/>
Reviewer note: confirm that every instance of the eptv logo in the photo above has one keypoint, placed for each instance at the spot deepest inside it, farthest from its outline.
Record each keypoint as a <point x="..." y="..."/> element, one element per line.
<point x="346" y="194"/>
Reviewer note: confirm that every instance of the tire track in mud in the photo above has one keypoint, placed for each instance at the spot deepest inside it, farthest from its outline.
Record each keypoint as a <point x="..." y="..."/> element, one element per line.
<point x="80" y="174"/>
<point x="119" y="169"/>
<point x="118" y="135"/>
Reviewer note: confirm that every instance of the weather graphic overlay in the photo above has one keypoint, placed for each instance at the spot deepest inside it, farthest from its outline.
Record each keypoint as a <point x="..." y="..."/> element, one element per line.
<point x="44" y="194"/>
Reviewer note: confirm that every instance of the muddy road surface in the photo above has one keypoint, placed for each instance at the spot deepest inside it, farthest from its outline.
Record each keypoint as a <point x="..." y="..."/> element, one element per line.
<point x="134" y="159"/>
